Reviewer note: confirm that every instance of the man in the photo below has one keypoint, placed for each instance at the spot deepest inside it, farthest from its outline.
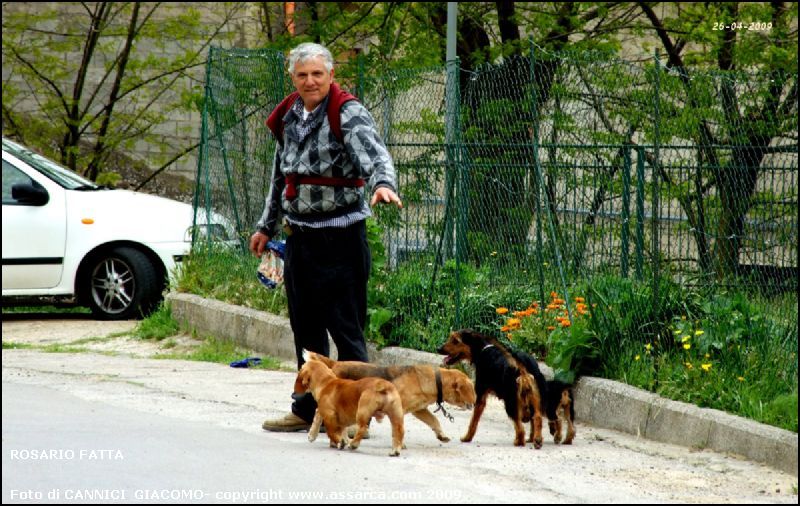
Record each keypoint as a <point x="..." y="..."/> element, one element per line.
<point x="328" y="150"/>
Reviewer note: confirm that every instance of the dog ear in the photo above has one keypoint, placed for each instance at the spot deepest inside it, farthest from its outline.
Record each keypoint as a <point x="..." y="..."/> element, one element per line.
<point x="469" y="336"/>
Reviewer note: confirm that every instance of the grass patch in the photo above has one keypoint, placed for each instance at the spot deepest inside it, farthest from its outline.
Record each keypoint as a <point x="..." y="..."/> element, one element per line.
<point x="158" y="325"/>
<point x="221" y="351"/>
<point x="46" y="309"/>
<point x="11" y="345"/>
<point x="227" y="274"/>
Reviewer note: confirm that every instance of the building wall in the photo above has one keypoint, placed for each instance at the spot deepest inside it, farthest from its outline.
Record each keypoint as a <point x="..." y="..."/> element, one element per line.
<point x="181" y="128"/>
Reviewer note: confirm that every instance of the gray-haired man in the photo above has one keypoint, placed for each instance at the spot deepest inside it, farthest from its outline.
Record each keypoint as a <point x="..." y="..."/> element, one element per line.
<point x="328" y="150"/>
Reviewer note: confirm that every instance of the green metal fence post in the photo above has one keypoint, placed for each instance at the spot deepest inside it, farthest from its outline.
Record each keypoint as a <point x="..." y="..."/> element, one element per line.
<point x="360" y="78"/>
<point x="551" y="225"/>
<point x="202" y="153"/>
<point x="456" y="173"/>
<point x="640" y="189"/>
<point x="538" y="189"/>
<point x="656" y="186"/>
<point x="626" y="208"/>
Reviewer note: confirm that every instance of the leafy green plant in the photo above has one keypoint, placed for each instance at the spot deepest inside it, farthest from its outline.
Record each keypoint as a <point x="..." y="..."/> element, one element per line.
<point x="158" y="325"/>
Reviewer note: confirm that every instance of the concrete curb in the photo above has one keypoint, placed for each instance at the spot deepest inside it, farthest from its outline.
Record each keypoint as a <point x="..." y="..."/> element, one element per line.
<point x="598" y="402"/>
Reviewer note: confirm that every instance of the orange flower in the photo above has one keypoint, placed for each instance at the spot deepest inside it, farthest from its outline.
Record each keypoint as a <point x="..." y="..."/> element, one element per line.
<point x="560" y="302"/>
<point x="514" y="323"/>
<point x="580" y="300"/>
<point x="551" y="328"/>
<point x="505" y="328"/>
<point x="501" y="310"/>
<point x="553" y="295"/>
<point x="565" y="323"/>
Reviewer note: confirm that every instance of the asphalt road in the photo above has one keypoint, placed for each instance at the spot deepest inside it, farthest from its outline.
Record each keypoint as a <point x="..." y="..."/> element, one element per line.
<point x="110" y="425"/>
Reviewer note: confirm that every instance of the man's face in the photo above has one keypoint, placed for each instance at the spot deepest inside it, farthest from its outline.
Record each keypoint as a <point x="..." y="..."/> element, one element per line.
<point x="313" y="81"/>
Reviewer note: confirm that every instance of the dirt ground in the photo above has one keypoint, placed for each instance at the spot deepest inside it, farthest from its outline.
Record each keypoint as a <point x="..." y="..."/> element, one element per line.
<point x="602" y="466"/>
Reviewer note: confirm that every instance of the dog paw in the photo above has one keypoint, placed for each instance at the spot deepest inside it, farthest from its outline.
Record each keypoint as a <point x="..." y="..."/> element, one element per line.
<point x="466" y="439"/>
<point x="312" y="437"/>
<point x="537" y="443"/>
<point x="394" y="453"/>
<point x="352" y="446"/>
<point x="443" y="438"/>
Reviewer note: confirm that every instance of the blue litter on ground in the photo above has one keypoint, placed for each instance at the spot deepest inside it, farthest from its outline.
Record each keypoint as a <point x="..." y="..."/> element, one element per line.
<point x="247" y="362"/>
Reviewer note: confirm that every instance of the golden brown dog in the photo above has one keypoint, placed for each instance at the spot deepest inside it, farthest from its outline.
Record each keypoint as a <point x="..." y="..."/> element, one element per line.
<point x="341" y="403"/>
<point x="416" y="384"/>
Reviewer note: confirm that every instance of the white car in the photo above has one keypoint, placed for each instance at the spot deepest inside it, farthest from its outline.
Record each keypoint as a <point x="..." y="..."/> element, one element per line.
<point x="66" y="237"/>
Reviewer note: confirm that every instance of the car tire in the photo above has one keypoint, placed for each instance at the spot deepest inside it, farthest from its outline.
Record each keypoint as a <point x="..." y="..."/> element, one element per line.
<point x="122" y="284"/>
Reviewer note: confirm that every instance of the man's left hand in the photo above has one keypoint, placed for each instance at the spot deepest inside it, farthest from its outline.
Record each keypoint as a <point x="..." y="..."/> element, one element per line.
<point x="386" y="195"/>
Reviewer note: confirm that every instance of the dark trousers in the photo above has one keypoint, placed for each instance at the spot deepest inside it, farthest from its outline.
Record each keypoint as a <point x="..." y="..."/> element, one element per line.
<point x="326" y="272"/>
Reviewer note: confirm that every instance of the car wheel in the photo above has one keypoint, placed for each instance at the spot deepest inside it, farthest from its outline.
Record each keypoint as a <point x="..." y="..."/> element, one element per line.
<point x="123" y="284"/>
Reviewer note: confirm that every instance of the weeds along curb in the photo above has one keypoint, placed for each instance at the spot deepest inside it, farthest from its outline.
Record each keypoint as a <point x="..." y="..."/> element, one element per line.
<point x="598" y="402"/>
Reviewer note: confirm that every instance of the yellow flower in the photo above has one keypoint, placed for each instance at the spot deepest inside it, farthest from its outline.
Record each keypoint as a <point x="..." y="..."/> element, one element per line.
<point x="706" y="367"/>
<point x="501" y="310"/>
<point x="647" y="346"/>
<point x="687" y="346"/>
<point x="637" y="357"/>
<point x="688" y="365"/>
<point x="740" y="378"/>
<point x="677" y="332"/>
<point x="683" y="317"/>
<point x="707" y="355"/>
<point x="493" y="253"/>
<point x="685" y="338"/>
<point x="699" y="332"/>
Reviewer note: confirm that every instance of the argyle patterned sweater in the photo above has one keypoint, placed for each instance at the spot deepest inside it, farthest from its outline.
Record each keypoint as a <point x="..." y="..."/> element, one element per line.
<point x="310" y="148"/>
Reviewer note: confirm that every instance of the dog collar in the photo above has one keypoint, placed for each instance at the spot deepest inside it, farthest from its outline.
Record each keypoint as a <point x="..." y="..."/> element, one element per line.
<point x="438" y="376"/>
<point x="439" y="395"/>
<point x="487" y="346"/>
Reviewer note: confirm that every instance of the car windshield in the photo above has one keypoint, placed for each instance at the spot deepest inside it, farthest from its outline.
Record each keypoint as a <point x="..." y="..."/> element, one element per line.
<point x="49" y="168"/>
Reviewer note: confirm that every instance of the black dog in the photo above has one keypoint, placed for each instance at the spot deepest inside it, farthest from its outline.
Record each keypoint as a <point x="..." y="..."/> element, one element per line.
<point x="503" y="373"/>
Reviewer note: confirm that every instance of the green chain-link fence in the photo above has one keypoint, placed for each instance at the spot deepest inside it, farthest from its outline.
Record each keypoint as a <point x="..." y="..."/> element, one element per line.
<point x="555" y="186"/>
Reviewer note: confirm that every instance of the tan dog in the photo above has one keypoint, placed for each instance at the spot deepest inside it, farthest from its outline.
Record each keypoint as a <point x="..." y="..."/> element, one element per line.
<point x="341" y="403"/>
<point x="417" y="386"/>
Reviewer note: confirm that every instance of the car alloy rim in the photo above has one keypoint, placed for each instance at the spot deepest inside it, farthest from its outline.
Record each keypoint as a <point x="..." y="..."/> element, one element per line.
<point x="113" y="285"/>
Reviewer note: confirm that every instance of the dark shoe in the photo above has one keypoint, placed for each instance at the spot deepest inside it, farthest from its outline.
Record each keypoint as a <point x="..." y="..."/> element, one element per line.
<point x="289" y="423"/>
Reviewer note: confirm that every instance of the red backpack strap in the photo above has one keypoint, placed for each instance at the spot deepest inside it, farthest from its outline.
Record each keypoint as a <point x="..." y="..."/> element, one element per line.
<point x="275" y="119"/>
<point x="338" y="97"/>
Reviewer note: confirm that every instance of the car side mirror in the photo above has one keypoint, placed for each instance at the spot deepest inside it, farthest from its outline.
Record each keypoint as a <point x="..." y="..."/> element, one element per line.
<point x="32" y="194"/>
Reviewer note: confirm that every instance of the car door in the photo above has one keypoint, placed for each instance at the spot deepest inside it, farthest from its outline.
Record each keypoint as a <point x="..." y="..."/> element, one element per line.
<point x="34" y="234"/>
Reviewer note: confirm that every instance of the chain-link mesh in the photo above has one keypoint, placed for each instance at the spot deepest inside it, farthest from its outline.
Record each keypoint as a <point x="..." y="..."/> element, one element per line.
<point x="556" y="185"/>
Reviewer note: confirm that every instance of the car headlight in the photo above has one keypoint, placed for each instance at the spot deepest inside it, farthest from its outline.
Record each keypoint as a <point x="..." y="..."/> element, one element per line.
<point x="207" y="232"/>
